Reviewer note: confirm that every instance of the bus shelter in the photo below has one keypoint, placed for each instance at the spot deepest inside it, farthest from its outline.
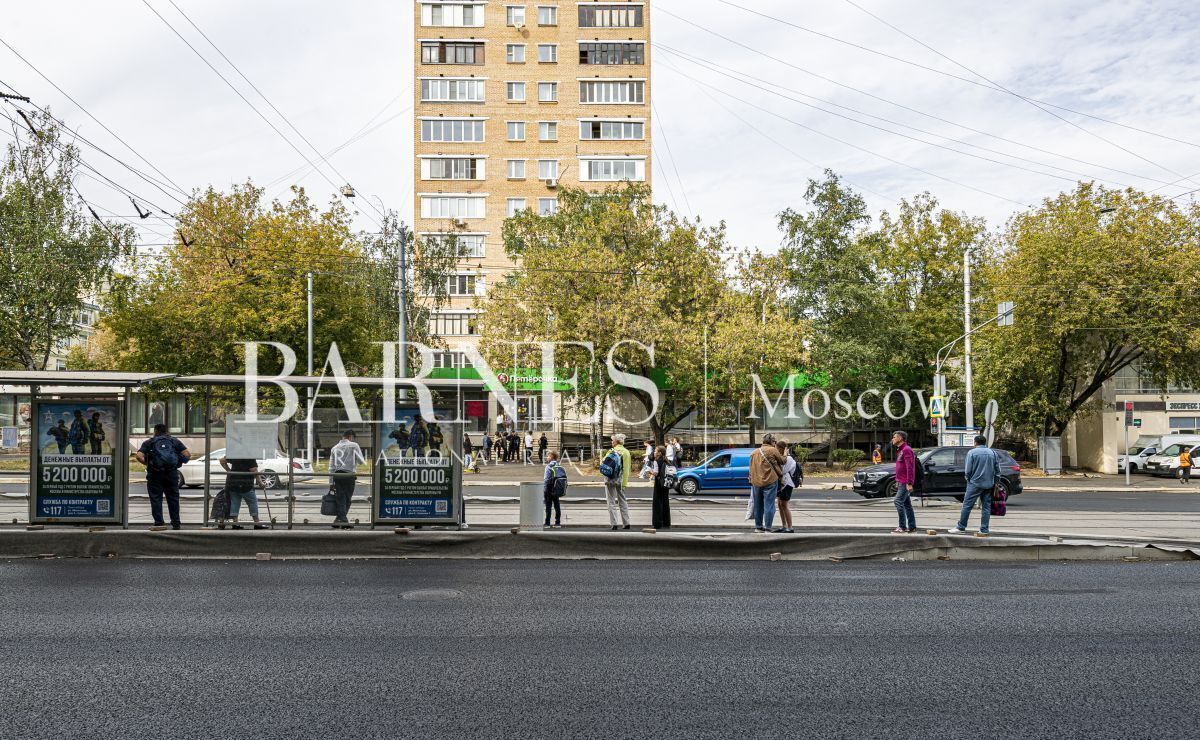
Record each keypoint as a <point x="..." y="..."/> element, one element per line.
<point x="78" y="443"/>
<point x="414" y="479"/>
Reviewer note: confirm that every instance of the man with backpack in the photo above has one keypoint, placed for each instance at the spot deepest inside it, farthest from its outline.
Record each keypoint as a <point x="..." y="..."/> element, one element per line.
<point x="615" y="469"/>
<point x="982" y="473"/>
<point x="162" y="455"/>
<point x="554" y="487"/>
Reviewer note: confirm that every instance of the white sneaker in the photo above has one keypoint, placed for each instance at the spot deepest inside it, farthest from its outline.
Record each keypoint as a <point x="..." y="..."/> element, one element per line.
<point x="956" y="530"/>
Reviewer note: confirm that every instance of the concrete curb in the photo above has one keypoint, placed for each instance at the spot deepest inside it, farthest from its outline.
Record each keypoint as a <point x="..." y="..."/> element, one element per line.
<point x="322" y="545"/>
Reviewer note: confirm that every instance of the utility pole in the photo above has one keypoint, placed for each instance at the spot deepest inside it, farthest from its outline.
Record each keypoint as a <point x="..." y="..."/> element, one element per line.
<point x="402" y="285"/>
<point x="308" y="391"/>
<point x="970" y="392"/>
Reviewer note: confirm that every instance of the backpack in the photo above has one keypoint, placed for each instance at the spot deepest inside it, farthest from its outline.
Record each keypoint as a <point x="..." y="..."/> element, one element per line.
<point x="558" y="485"/>
<point x="220" y="505"/>
<point x="163" y="455"/>
<point x="999" y="501"/>
<point x="918" y="474"/>
<point x="610" y="468"/>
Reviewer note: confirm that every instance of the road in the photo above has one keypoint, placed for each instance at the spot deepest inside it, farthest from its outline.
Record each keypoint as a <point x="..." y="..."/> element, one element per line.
<point x="662" y="650"/>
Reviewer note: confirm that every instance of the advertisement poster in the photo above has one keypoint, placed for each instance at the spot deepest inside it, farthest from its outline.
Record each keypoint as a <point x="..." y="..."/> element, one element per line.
<point x="417" y="470"/>
<point x="75" y="468"/>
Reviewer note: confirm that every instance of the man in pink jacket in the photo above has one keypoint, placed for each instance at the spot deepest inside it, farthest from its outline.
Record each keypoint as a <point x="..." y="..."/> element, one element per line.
<point x="906" y="477"/>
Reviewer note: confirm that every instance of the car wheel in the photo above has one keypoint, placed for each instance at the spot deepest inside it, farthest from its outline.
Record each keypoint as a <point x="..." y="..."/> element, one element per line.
<point x="960" y="497"/>
<point x="1132" y="469"/>
<point x="270" y="480"/>
<point x="1005" y="489"/>
<point x="889" y="491"/>
<point x="689" y="486"/>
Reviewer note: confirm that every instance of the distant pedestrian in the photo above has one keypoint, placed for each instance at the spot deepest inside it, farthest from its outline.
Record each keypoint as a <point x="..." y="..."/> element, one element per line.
<point x="344" y="458"/>
<point x="487" y="447"/>
<point x="671" y="453"/>
<point x="660" y="506"/>
<point x="678" y="452"/>
<point x="162" y="455"/>
<point x="983" y="474"/>
<point x="553" y="490"/>
<point x="787" y="483"/>
<point x="241" y="475"/>
<point x="647" y="470"/>
<point x="528" y="448"/>
<point x="542" y="444"/>
<point x="468" y="453"/>
<point x="877" y="455"/>
<point x="96" y="433"/>
<point x="1185" y="465"/>
<point x="906" y="477"/>
<point x="615" y="469"/>
<point x="766" y="464"/>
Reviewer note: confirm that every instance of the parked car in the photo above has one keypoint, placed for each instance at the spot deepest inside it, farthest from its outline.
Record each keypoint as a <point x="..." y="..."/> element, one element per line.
<point x="727" y="471"/>
<point x="273" y="470"/>
<point x="1147" y="447"/>
<point x="945" y="469"/>
<point x="1167" y="463"/>
<point x="1137" y="457"/>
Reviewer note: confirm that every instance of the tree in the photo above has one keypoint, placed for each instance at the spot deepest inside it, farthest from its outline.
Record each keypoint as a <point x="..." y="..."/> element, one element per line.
<point x="607" y="268"/>
<point x="237" y="273"/>
<point x="1100" y="279"/>
<point x="55" y="252"/>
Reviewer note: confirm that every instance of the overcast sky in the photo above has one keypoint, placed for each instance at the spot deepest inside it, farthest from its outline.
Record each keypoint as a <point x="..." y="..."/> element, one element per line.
<point x="741" y="150"/>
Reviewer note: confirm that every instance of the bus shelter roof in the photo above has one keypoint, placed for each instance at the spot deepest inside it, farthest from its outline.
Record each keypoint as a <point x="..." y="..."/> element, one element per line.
<point x="311" y="381"/>
<point x="79" y="378"/>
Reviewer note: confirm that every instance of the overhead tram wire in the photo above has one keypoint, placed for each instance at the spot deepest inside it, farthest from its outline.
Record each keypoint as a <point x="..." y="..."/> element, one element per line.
<point x="899" y="105"/>
<point x="745" y="79"/>
<point x="944" y="73"/>
<point x="356" y="137"/>
<point x="666" y="180"/>
<point x="662" y="127"/>
<point x="776" y="142"/>
<point x="267" y="100"/>
<point x="1015" y="94"/>
<point x="64" y="93"/>
<point x="852" y="145"/>
<point x="289" y="142"/>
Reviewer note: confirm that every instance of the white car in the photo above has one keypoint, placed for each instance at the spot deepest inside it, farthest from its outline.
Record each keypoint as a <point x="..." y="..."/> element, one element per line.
<point x="273" y="470"/>
<point x="1138" y="457"/>
<point x="1167" y="463"/>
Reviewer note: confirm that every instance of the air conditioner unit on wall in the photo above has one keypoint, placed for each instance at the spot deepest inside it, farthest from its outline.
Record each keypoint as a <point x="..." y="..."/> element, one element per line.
<point x="552" y="182"/>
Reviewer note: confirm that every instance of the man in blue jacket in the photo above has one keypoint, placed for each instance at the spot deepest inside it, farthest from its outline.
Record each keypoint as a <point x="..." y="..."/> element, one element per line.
<point x="983" y="473"/>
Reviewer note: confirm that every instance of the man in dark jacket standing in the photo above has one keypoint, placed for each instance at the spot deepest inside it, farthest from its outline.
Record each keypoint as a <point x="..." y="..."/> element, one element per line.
<point x="906" y="478"/>
<point x="162" y="455"/>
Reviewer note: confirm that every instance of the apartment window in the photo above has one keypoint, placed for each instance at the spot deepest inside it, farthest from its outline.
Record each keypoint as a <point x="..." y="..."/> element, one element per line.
<point x="449" y="360"/>
<point x="547" y="169"/>
<point x="1183" y="422"/>
<point x="451" y="52"/>
<point x="516" y="131"/>
<point x="612" y="170"/>
<point x="452" y="90"/>
<point x="547" y="15"/>
<point x="547" y="131"/>
<point x="547" y="92"/>
<point x="469" y="130"/>
<point x="464" y="168"/>
<point x="453" y="323"/>
<point x="516" y="169"/>
<point x="612" y="91"/>
<point x="547" y="206"/>
<point x="612" y="130"/>
<point x="515" y="53"/>
<point x="465" y="245"/>
<point x="515" y="206"/>
<point x="547" y="53"/>
<point x="612" y="53"/>
<point x="515" y="15"/>
<point x="610" y="16"/>
<point x="461" y="284"/>
<point x="515" y="92"/>
<point x="453" y="206"/>
<point x="452" y="14"/>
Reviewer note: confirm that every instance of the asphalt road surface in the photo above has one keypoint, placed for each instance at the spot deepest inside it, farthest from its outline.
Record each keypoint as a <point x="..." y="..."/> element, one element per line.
<point x="480" y="649"/>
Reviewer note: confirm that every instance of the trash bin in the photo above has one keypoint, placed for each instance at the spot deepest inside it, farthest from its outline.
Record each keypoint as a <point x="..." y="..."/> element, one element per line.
<point x="533" y="507"/>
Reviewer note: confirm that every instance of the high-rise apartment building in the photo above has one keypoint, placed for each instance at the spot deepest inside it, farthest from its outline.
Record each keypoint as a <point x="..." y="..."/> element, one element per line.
<point x="512" y="101"/>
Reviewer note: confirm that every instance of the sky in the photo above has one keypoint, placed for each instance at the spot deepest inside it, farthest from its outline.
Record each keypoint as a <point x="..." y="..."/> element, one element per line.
<point x="748" y="104"/>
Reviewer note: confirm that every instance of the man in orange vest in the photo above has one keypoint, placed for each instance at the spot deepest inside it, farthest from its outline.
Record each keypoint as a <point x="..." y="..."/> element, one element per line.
<point x="1185" y="465"/>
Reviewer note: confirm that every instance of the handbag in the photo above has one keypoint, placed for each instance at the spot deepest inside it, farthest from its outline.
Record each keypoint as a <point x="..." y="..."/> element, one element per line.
<point x="999" y="501"/>
<point x="220" y="505"/>
<point x="329" y="503"/>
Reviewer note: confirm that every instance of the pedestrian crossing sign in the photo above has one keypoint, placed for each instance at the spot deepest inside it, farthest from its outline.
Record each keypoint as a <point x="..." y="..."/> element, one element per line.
<point x="937" y="407"/>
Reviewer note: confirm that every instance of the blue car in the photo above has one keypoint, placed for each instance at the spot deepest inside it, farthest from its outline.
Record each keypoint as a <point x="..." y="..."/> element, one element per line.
<point x="728" y="471"/>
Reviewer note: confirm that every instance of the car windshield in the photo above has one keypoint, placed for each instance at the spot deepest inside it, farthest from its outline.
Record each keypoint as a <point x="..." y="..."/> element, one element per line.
<point x="924" y="452"/>
<point x="1136" y="450"/>
<point x="1174" y="449"/>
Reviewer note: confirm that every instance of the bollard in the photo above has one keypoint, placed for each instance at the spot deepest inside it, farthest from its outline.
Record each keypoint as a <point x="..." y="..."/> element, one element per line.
<point x="262" y="556"/>
<point x="776" y="557"/>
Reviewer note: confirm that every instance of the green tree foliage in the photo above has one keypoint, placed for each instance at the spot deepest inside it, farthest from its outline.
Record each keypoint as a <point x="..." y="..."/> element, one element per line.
<point x="54" y="253"/>
<point x="1094" y="291"/>
<point x="612" y="267"/>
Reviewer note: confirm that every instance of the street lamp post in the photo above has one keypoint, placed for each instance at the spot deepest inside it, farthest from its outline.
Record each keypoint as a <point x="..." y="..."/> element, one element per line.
<point x="944" y="353"/>
<point x="969" y="389"/>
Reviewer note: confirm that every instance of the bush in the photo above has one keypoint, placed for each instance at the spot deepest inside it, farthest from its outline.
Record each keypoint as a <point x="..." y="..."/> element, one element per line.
<point x="849" y="458"/>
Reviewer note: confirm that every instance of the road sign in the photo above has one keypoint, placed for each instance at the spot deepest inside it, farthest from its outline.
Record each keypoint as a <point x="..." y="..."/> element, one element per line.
<point x="1137" y="423"/>
<point x="1129" y="413"/>
<point x="937" y="407"/>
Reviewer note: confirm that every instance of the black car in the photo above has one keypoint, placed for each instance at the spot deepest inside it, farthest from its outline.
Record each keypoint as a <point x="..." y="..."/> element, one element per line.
<point x="945" y="469"/>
